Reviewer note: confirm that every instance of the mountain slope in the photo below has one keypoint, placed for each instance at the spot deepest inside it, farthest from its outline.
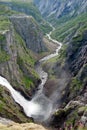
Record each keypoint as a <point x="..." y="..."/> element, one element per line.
<point x="57" y="8"/>
<point x="66" y="31"/>
<point x="29" y="8"/>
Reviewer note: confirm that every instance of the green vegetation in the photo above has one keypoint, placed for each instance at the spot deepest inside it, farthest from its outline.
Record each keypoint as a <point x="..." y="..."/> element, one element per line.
<point x="61" y="57"/>
<point x="28" y="82"/>
<point x="28" y="8"/>
<point x="3" y="55"/>
<point x="68" y="28"/>
<point x="71" y="116"/>
<point x="9" y="109"/>
<point x="76" y="85"/>
<point x="58" y="21"/>
<point x="62" y="54"/>
<point x="2" y="37"/>
<point x="4" y="24"/>
<point x="29" y="76"/>
<point x="45" y="27"/>
<point x="31" y="9"/>
<point x="78" y="38"/>
<point x="26" y="61"/>
<point x="6" y="11"/>
<point x="25" y="55"/>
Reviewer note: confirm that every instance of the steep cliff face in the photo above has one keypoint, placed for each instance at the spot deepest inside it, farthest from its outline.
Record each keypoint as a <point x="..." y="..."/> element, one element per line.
<point x="29" y="30"/>
<point x="77" y="62"/>
<point x="57" y="8"/>
<point x="16" y="61"/>
<point x="75" y="92"/>
<point x="19" y="36"/>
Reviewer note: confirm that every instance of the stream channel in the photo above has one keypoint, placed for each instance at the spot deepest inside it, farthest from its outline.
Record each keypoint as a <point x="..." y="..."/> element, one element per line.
<point x="40" y="107"/>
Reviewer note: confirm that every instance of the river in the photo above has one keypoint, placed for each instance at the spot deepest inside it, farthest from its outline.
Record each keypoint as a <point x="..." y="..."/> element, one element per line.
<point x="40" y="107"/>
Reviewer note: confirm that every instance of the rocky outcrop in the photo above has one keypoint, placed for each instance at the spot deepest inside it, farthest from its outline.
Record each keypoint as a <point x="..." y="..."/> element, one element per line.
<point x="77" y="53"/>
<point x="75" y="111"/>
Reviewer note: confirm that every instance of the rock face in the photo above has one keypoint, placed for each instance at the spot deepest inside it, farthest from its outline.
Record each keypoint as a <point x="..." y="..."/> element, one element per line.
<point x="15" y="68"/>
<point x="75" y="63"/>
<point x="29" y="30"/>
<point x="57" y="8"/>
<point x="76" y="54"/>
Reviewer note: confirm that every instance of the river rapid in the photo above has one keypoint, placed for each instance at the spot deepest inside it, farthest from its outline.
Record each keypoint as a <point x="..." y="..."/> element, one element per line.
<point x="40" y="107"/>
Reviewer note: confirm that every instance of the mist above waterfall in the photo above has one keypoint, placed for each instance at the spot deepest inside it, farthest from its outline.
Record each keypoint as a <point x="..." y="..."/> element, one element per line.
<point x="39" y="107"/>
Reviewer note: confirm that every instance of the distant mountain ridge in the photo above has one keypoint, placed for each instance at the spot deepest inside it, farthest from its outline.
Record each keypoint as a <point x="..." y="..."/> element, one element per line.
<point x="59" y="8"/>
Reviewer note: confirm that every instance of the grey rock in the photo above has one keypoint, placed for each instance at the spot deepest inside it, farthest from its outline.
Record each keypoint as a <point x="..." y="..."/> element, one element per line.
<point x="29" y="30"/>
<point x="61" y="8"/>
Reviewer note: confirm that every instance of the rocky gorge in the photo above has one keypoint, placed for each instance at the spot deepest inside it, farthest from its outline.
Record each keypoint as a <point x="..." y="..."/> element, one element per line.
<point x="67" y="77"/>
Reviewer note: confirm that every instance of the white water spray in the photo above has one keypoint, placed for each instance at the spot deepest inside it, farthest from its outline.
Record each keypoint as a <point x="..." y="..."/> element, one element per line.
<point x="29" y="107"/>
<point x="40" y="107"/>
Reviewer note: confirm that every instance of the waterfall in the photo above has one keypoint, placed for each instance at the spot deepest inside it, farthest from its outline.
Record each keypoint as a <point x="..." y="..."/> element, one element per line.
<point x="40" y="107"/>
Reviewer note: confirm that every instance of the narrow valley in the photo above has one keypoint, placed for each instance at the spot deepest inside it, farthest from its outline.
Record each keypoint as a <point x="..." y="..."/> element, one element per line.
<point x="43" y="64"/>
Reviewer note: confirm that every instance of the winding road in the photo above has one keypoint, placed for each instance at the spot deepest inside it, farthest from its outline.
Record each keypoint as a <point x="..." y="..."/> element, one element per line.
<point x="40" y="107"/>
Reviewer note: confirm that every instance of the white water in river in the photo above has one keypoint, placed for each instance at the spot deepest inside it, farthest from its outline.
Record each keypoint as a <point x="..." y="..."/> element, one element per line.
<point x="56" y="51"/>
<point x="40" y="107"/>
